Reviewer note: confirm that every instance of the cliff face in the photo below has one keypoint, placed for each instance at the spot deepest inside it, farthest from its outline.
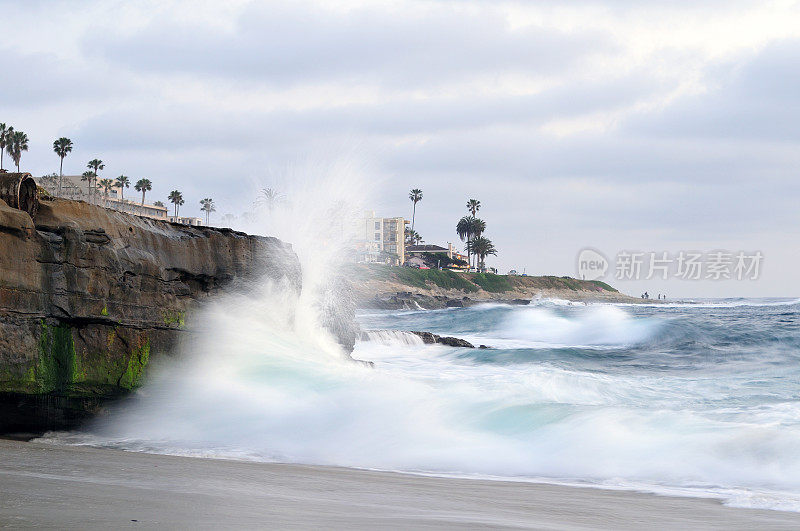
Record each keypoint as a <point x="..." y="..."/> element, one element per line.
<point x="88" y="295"/>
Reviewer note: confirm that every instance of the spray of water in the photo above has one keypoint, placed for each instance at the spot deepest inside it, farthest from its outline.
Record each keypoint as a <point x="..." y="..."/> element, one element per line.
<point x="261" y="378"/>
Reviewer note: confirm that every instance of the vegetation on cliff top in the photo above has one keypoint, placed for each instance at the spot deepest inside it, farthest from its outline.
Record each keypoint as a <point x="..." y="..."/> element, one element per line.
<point x="472" y="282"/>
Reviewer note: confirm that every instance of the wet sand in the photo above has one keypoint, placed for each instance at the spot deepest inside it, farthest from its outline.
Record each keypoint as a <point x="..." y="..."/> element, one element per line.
<point x="48" y="486"/>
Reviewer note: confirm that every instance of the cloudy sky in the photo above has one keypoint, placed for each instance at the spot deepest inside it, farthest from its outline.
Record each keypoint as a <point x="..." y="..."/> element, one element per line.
<point x="617" y="125"/>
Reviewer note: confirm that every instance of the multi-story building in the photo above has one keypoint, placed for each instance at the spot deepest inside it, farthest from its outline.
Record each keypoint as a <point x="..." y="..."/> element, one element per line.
<point x="380" y="239"/>
<point x="72" y="187"/>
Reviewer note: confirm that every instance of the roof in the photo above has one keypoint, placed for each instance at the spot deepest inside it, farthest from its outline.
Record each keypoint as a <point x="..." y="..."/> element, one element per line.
<point x="424" y="248"/>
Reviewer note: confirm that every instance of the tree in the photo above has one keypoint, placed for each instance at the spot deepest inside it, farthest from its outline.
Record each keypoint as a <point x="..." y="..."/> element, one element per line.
<point x="469" y="228"/>
<point x="89" y="176"/>
<point x="96" y="165"/>
<point x="49" y="182"/>
<point x="416" y="196"/>
<point x="6" y="132"/>
<point x="478" y="227"/>
<point x="413" y="237"/>
<point x="106" y="185"/>
<point x="176" y="198"/>
<point x="473" y="205"/>
<point x="269" y="197"/>
<point x="62" y="147"/>
<point x="158" y="204"/>
<point x="208" y="207"/>
<point x="16" y="145"/>
<point x="465" y="229"/>
<point x="122" y="182"/>
<point x="482" y="247"/>
<point x="144" y="186"/>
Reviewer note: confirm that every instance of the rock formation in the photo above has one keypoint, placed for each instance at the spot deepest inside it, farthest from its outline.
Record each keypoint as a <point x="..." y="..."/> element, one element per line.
<point x="88" y="295"/>
<point x="428" y="338"/>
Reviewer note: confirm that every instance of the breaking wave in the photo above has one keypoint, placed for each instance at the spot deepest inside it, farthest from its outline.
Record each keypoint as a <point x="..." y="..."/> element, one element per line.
<point x="662" y="398"/>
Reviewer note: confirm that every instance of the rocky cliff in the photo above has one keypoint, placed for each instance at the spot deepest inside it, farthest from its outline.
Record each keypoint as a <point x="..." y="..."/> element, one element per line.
<point x="88" y="295"/>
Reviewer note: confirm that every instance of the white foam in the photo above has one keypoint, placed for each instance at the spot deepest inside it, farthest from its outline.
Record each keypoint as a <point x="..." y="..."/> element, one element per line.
<point x="596" y="326"/>
<point x="393" y="337"/>
<point x="262" y="380"/>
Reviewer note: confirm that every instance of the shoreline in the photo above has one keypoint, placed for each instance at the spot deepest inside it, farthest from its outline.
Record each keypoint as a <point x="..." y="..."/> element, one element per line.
<point x="85" y="487"/>
<point x="413" y="299"/>
<point x="402" y="288"/>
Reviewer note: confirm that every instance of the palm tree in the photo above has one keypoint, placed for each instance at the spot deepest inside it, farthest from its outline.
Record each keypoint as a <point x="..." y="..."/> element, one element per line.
<point x="62" y="147"/>
<point x="176" y="199"/>
<point x="413" y="237"/>
<point x="416" y="196"/>
<point x="144" y="186"/>
<point x="269" y="196"/>
<point x="106" y="185"/>
<point x="95" y="165"/>
<point x="482" y="247"/>
<point x="473" y="205"/>
<point x="89" y="176"/>
<point x="17" y="144"/>
<point x="469" y="228"/>
<point x="122" y="182"/>
<point x="5" y="137"/>
<point x="158" y="204"/>
<point x="465" y="228"/>
<point x="478" y="227"/>
<point x="208" y="207"/>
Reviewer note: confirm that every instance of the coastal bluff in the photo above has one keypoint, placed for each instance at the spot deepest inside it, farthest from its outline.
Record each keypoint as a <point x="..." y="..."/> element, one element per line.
<point x="394" y="288"/>
<point x="89" y="295"/>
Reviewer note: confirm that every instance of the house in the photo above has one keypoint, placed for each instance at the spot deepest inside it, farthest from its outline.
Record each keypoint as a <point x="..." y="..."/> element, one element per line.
<point x="450" y="251"/>
<point x="186" y="220"/>
<point x="140" y="209"/>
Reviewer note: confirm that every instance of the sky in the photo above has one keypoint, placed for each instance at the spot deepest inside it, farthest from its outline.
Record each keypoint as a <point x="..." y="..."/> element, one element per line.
<point x="614" y="125"/>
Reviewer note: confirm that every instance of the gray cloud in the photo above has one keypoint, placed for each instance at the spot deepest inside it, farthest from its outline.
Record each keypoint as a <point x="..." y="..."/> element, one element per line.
<point x="755" y="100"/>
<point x="167" y="99"/>
<point x="287" y="44"/>
<point x="36" y="79"/>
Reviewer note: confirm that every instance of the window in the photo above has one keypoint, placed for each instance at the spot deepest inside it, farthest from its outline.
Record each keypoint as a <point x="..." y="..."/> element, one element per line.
<point x="377" y="236"/>
<point x="377" y="225"/>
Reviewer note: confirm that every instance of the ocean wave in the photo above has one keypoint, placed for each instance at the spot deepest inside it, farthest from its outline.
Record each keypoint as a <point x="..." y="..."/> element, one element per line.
<point x="701" y="303"/>
<point x="700" y="403"/>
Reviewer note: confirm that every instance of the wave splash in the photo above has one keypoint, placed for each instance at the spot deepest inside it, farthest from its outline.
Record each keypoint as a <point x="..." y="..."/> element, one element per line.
<point x="253" y="386"/>
<point x="601" y="395"/>
<point x="596" y="326"/>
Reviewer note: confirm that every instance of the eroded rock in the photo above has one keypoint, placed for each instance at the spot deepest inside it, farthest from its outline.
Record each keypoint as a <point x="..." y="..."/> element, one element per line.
<point x="89" y="295"/>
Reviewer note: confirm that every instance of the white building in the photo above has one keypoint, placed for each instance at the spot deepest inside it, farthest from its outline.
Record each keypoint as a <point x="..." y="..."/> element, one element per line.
<point x="379" y="240"/>
<point x="186" y="220"/>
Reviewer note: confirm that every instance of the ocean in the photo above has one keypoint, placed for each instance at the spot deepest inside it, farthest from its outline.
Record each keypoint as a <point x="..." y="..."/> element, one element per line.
<point x="692" y="398"/>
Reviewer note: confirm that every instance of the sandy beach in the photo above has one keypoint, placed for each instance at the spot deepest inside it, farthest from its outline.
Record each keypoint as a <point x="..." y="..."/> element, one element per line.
<point x="47" y="486"/>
